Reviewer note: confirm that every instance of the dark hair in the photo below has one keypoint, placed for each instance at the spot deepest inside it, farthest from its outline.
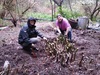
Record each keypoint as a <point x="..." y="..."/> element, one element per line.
<point x="59" y="15"/>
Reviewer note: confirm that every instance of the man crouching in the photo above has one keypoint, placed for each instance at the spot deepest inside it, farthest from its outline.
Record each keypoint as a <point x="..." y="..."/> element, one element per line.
<point x="28" y="36"/>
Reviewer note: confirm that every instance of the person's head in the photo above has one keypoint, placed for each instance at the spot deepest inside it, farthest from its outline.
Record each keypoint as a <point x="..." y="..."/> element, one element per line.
<point x="59" y="17"/>
<point x="31" y="22"/>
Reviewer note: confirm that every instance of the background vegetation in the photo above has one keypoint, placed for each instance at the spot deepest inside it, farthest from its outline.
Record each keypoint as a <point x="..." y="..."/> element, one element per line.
<point x="48" y="9"/>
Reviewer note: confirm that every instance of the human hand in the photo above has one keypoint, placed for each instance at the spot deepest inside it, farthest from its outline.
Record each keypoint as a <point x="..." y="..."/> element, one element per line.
<point x="44" y="38"/>
<point x="32" y="45"/>
<point x="66" y="36"/>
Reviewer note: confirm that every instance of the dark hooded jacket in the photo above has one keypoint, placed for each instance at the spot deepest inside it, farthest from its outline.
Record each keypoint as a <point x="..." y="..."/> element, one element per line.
<point x="28" y="31"/>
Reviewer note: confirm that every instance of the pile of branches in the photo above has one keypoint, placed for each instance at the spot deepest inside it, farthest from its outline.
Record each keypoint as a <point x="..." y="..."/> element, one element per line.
<point x="61" y="50"/>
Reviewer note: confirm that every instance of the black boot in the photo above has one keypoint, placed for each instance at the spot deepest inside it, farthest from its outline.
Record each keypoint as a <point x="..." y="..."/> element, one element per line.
<point x="35" y="49"/>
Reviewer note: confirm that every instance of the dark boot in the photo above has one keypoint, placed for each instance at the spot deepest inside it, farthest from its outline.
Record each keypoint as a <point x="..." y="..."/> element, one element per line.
<point x="35" y="49"/>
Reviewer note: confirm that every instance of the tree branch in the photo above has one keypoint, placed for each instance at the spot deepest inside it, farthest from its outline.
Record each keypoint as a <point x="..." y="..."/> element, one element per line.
<point x="59" y="3"/>
<point x="26" y="10"/>
<point x="95" y="9"/>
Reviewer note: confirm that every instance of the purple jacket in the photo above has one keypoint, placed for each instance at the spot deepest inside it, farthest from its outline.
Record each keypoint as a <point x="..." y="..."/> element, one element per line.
<point x="63" y="25"/>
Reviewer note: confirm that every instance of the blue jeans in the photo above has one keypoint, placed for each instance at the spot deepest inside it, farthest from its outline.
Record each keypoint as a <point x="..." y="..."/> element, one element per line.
<point x="69" y="34"/>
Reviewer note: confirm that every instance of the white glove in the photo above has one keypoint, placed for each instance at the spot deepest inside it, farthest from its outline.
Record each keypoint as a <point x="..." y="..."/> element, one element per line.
<point x="32" y="45"/>
<point x="44" y="38"/>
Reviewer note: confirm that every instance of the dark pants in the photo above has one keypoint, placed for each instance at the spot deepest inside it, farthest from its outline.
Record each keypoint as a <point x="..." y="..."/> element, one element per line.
<point x="69" y="34"/>
<point x="28" y="47"/>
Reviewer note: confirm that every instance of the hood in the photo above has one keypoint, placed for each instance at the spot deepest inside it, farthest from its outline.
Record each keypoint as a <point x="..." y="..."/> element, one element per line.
<point x="28" y="22"/>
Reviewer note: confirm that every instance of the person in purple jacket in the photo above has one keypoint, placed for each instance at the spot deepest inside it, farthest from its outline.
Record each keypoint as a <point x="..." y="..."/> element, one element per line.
<point x="64" y="27"/>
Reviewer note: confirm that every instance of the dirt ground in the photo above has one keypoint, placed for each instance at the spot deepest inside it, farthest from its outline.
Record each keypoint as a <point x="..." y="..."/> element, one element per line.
<point x="87" y="42"/>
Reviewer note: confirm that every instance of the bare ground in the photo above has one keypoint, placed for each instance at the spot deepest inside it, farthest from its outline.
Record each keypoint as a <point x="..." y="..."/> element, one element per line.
<point x="87" y="42"/>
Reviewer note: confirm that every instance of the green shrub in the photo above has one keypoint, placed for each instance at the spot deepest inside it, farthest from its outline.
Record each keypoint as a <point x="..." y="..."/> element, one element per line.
<point x="43" y="16"/>
<point x="68" y="13"/>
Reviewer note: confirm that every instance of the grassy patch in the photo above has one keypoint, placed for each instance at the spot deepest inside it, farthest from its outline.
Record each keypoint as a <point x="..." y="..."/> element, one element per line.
<point x="46" y="17"/>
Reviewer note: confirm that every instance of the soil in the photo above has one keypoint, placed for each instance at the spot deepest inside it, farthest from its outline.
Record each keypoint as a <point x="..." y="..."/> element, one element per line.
<point x="86" y="41"/>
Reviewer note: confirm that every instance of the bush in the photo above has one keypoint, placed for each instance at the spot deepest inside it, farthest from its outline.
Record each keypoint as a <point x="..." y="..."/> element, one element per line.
<point x="68" y="13"/>
<point x="43" y="16"/>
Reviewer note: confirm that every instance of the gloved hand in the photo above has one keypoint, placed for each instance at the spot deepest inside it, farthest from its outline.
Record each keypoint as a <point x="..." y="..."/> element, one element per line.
<point x="56" y="32"/>
<point x="44" y="38"/>
<point x="32" y="45"/>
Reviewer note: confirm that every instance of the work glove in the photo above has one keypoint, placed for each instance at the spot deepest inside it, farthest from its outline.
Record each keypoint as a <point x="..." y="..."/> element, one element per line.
<point x="44" y="38"/>
<point x="32" y="45"/>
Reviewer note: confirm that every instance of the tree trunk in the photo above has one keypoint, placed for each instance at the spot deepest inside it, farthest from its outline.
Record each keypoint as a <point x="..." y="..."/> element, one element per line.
<point x="59" y="3"/>
<point x="95" y="9"/>
<point x="97" y="13"/>
<point x="70" y="7"/>
<point x="52" y="10"/>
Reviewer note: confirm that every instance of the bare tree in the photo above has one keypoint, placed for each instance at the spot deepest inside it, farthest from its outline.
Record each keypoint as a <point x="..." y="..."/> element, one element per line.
<point x="8" y="7"/>
<point x="59" y="3"/>
<point x="92" y="12"/>
<point x="2" y="14"/>
<point x="12" y="8"/>
<point x="95" y="11"/>
<point x="53" y="9"/>
<point x="29" y="6"/>
<point x="70" y="5"/>
<point x="69" y="2"/>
